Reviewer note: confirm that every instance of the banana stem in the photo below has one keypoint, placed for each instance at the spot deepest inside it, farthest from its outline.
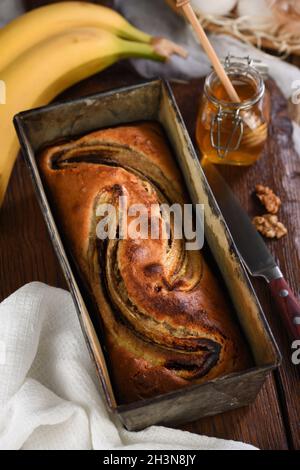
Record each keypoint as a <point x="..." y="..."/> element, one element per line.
<point x="133" y="34"/>
<point x="159" y="49"/>
<point x="130" y="49"/>
<point x="166" y="48"/>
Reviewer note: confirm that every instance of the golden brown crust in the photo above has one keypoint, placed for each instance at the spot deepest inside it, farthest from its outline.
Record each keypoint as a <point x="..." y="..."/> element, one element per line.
<point x="166" y="319"/>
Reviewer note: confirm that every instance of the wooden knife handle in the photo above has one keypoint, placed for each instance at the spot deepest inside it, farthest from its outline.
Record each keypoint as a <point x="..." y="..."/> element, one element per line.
<point x="288" y="306"/>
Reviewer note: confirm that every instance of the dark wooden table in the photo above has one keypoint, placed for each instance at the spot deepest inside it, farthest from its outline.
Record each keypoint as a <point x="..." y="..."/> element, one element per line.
<point x="26" y="254"/>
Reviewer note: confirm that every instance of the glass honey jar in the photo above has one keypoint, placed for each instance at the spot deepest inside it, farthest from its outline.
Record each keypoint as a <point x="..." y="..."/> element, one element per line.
<point x="233" y="133"/>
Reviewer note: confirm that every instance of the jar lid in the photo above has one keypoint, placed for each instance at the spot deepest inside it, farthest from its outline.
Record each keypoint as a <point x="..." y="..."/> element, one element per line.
<point x="236" y="69"/>
<point x="261" y="67"/>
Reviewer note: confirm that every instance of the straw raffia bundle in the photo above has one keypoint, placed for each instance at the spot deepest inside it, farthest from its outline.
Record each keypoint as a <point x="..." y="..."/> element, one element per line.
<point x="271" y="24"/>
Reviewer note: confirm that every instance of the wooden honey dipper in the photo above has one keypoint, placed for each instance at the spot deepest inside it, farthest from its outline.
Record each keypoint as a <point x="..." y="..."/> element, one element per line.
<point x="259" y="131"/>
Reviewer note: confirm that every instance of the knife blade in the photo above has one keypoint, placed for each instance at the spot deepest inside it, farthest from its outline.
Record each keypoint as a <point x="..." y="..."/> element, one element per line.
<point x="253" y="250"/>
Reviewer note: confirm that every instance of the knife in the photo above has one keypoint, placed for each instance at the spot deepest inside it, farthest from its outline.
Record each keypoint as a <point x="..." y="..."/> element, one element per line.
<point x="253" y="250"/>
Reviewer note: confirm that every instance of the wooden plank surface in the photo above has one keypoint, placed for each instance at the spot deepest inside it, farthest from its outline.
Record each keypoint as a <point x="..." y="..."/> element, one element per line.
<point x="26" y="255"/>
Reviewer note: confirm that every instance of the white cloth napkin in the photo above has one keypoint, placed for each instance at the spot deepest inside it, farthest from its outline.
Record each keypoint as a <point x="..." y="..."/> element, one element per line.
<point x="49" y="394"/>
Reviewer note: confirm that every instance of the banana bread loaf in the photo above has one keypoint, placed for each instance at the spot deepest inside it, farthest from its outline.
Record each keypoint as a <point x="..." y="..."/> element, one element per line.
<point x="166" y="318"/>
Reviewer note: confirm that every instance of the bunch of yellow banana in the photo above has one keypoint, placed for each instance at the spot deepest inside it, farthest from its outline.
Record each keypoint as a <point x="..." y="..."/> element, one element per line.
<point x="49" y="49"/>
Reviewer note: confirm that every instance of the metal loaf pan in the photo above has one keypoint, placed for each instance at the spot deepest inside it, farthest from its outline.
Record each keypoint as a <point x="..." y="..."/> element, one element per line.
<point x="154" y="101"/>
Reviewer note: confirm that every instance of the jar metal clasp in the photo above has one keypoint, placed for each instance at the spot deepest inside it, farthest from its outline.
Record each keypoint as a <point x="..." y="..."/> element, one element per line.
<point x="236" y="134"/>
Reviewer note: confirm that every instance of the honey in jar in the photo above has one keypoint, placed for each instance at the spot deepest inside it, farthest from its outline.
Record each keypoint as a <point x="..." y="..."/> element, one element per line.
<point x="233" y="133"/>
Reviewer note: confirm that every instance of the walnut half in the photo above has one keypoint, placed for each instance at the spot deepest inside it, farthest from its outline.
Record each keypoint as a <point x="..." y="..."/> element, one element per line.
<point x="268" y="198"/>
<point x="269" y="226"/>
